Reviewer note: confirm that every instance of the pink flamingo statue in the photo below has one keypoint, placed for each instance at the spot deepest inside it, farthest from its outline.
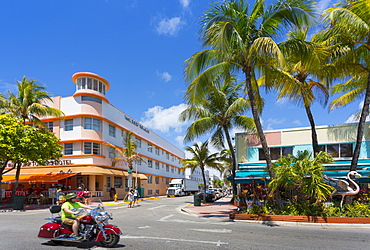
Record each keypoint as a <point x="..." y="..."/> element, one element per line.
<point x="342" y="187"/>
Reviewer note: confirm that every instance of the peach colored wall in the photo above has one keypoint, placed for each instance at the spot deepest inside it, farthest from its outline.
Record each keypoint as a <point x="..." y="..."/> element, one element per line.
<point x="89" y="134"/>
<point x="272" y="138"/>
<point x="92" y="108"/>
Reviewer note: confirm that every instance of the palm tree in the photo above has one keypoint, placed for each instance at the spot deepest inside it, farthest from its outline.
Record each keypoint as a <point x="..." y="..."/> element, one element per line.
<point x="29" y="103"/>
<point x="296" y="82"/>
<point x="128" y="154"/>
<point x="29" y="106"/>
<point x="240" y="40"/>
<point x="350" y="24"/>
<point x="303" y="176"/>
<point x="201" y="158"/>
<point x="221" y="110"/>
<point x="227" y="164"/>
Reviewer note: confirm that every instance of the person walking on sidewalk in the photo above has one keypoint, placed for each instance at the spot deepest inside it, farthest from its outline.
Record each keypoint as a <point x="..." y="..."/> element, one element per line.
<point x="112" y="192"/>
<point x="130" y="197"/>
<point x="136" y="196"/>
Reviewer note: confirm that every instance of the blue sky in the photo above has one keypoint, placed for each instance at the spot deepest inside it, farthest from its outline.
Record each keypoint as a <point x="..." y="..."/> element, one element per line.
<point x="139" y="46"/>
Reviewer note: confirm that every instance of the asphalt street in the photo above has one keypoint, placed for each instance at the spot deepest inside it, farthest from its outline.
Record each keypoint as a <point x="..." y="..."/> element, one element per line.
<point x="160" y="224"/>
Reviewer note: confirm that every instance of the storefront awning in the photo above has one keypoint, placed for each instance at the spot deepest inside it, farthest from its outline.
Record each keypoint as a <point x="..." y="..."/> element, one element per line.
<point x="83" y="170"/>
<point x="73" y="170"/>
<point x="37" y="177"/>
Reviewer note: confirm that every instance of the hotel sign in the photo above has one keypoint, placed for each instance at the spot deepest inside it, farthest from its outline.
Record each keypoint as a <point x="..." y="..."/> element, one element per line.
<point x="137" y="124"/>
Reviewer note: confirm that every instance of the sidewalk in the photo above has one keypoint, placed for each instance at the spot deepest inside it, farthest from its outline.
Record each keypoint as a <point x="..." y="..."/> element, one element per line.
<point x="218" y="209"/>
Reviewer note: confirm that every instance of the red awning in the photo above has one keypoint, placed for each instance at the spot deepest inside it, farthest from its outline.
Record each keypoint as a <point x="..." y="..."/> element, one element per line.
<point x="37" y="177"/>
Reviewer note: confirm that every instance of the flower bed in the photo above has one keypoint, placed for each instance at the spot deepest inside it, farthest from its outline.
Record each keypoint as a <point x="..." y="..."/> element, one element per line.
<point x="292" y="218"/>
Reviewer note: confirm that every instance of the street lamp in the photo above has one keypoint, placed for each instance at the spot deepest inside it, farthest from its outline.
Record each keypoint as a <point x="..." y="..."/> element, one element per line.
<point x="136" y="183"/>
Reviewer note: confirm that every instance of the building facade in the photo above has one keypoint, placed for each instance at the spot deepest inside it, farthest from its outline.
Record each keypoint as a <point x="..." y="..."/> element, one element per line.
<point x="339" y="140"/>
<point x="89" y="122"/>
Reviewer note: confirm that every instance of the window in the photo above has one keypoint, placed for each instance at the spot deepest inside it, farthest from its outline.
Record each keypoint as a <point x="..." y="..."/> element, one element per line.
<point x="139" y="162"/>
<point x="171" y="169"/>
<point x="167" y="168"/>
<point x="150" y="148"/>
<point x="91" y="98"/>
<point x="156" y="151"/>
<point x="91" y="148"/>
<point x="167" y="156"/>
<point x="68" y="125"/>
<point x="275" y="152"/>
<point x="108" y="182"/>
<point x="112" y="130"/>
<point x="150" y="192"/>
<point x="156" y="165"/>
<point x="50" y="125"/>
<point x="117" y="182"/>
<point x="68" y="148"/>
<point x="92" y="123"/>
<point x="338" y="150"/>
<point x="156" y="180"/>
<point x="150" y="163"/>
<point x="112" y="152"/>
<point x="167" y="181"/>
<point x="150" y="179"/>
<point x="172" y="158"/>
<point x="178" y="171"/>
<point x="138" y="143"/>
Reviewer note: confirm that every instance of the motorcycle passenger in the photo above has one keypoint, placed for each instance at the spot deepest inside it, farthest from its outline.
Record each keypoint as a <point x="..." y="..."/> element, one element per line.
<point x="68" y="216"/>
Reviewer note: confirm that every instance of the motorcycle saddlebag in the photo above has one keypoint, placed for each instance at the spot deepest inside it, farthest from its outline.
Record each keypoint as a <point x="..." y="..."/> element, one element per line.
<point x="49" y="230"/>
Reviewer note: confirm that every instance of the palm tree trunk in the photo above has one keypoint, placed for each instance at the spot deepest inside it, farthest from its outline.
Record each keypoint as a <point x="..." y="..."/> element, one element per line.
<point x="205" y="186"/>
<point x="315" y="144"/>
<point x="361" y="125"/>
<point x="228" y="139"/>
<point x="257" y="121"/>
<point x="18" y="171"/>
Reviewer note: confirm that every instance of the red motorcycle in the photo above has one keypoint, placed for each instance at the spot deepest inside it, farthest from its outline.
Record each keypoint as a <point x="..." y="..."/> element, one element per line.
<point x="94" y="226"/>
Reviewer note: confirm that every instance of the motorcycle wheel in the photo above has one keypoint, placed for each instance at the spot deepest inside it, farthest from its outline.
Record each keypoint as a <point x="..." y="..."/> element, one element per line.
<point x="111" y="240"/>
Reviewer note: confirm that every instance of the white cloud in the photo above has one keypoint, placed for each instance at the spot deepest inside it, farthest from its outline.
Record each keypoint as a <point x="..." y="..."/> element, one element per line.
<point x="170" y="26"/>
<point x="272" y="121"/>
<point x="323" y="4"/>
<point x="4" y="87"/>
<point x="356" y="117"/>
<point x="165" y="76"/>
<point x="185" y="3"/>
<point x="164" y="120"/>
<point x="297" y="122"/>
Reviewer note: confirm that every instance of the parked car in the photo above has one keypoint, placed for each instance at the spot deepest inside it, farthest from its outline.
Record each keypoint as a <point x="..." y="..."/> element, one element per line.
<point x="210" y="195"/>
<point x="216" y="192"/>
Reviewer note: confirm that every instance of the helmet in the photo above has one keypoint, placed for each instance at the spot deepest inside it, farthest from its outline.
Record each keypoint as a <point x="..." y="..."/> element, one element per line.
<point x="70" y="196"/>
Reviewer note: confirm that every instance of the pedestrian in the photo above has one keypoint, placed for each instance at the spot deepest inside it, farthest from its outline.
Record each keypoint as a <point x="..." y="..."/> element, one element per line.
<point x="112" y="192"/>
<point x="80" y="194"/>
<point x="130" y="197"/>
<point x="86" y="195"/>
<point x="136" y="196"/>
<point x="58" y="195"/>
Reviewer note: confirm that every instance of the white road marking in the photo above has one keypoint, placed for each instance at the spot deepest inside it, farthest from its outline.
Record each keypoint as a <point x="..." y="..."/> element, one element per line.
<point x="223" y="231"/>
<point x="152" y="208"/>
<point x="166" y="217"/>
<point x="219" y="243"/>
<point x="145" y="227"/>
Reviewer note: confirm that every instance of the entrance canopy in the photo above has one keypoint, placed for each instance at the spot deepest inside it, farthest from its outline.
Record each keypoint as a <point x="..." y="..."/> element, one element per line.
<point x="249" y="172"/>
<point x="28" y="178"/>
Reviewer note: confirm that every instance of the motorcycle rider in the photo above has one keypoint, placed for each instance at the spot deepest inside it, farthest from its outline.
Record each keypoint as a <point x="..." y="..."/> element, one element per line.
<point x="68" y="215"/>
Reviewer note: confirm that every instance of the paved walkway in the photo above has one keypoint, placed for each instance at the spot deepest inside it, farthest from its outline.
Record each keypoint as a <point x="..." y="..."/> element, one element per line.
<point x="218" y="209"/>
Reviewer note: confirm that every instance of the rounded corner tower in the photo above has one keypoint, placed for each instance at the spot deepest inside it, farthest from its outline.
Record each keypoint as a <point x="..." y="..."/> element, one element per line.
<point x="90" y="84"/>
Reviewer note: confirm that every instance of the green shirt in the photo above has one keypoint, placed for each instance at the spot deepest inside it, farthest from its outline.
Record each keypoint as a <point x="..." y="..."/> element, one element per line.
<point x="70" y="206"/>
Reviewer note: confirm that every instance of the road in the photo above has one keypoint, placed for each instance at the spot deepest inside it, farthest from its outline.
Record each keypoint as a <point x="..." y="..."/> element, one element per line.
<point x="160" y="224"/>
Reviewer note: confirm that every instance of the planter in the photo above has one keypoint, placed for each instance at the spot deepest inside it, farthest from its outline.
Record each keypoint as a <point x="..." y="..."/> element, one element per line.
<point x="240" y="203"/>
<point x="292" y="218"/>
